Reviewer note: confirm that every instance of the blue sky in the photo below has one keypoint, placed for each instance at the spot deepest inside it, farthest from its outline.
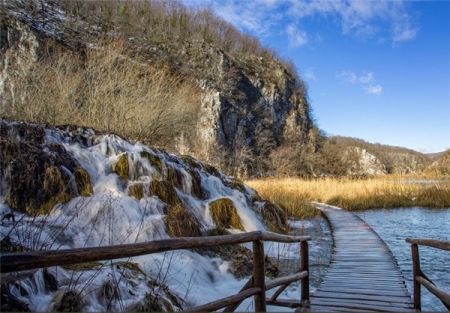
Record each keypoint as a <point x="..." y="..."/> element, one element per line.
<point x="376" y="70"/>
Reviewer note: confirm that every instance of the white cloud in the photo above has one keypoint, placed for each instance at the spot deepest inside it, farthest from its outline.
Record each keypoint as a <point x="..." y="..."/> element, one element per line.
<point x="296" y="36"/>
<point x="374" y="89"/>
<point x="309" y="75"/>
<point x="366" y="80"/>
<point x="361" y="18"/>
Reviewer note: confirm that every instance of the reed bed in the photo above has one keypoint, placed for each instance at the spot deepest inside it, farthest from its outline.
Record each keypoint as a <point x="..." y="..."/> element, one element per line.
<point x="294" y="195"/>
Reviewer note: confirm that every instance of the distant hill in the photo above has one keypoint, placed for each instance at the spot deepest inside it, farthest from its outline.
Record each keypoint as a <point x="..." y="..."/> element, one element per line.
<point x="375" y="158"/>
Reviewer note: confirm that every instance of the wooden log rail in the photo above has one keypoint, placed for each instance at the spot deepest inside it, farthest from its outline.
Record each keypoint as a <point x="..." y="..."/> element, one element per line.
<point x="256" y="286"/>
<point x="419" y="277"/>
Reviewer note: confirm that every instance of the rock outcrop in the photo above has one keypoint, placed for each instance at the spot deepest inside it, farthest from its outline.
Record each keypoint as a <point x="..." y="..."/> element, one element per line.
<point x="250" y="104"/>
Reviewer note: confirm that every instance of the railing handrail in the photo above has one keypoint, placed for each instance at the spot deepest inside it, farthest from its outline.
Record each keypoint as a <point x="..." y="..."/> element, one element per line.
<point x="438" y="244"/>
<point x="256" y="286"/>
<point x="419" y="277"/>
<point x="11" y="262"/>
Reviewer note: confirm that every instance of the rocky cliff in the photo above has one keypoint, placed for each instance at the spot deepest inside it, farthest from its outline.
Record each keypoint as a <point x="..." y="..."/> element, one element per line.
<point x="250" y="103"/>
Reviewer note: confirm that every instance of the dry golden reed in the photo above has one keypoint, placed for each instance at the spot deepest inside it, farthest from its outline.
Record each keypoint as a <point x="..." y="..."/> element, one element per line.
<point x="295" y="194"/>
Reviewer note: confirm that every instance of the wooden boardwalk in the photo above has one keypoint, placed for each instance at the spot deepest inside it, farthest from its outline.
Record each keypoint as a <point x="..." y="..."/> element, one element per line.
<point x="363" y="273"/>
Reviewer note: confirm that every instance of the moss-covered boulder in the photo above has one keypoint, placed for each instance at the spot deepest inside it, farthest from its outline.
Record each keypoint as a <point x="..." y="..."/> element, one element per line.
<point x="165" y="191"/>
<point x="154" y="160"/>
<point x="196" y="182"/>
<point x="136" y="191"/>
<point x="224" y="214"/>
<point x="235" y="183"/>
<point x="175" y="177"/>
<point x="122" y="166"/>
<point x="158" y="299"/>
<point x="83" y="181"/>
<point x="69" y="301"/>
<point x="9" y="302"/>
<point x="37" y="177"/>
<point x="180" y="223"/>
<point x="274" y="217"/>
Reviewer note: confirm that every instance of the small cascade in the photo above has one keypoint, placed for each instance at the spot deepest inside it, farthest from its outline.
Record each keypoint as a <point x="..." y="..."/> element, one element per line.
<point x="100" y="189"/>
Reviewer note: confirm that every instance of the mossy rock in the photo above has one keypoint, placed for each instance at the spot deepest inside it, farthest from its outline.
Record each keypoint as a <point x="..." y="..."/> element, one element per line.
<point x="55" y="185"/>
<point x="165" y="192"/>
<point x="159" y="299"/>
<point x="50" y="281"/>
<point x="36" y="176"/>
<point x="224" y="214"/>
<point x="197" y="189"/>
<point x="274" y="217"/>
<point x="9" y="302"/>
<point x="179" y="223"/>
<point x="239" y="257"/>
<point x="122" y="166"/>
<point x="109" y="292"/>
<point x="136" y="191"/>
<point x="211" y="170"/>
<point x="86" y="266"/>
<point x="235" y="183"/>
<point x="83" y="181"/>
<point x="154" y="160"/>
<point x="69" y="301"/>
<point x="175" y="177"/>
<point x="191" y="162"/>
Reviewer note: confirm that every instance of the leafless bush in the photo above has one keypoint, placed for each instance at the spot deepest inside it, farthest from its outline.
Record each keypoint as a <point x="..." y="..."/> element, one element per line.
<point x="107" y="91"/>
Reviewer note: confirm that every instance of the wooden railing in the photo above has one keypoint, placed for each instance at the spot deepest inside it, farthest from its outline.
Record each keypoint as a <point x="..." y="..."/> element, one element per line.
<point x="256" y="286"/>
<point x="419" y="277"/>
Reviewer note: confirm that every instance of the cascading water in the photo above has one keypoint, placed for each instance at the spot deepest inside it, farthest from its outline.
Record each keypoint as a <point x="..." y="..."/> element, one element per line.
<point x="124" y="206"/>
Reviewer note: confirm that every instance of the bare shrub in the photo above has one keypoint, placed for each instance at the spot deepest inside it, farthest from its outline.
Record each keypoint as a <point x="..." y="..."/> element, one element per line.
<point x="106" y="90"/>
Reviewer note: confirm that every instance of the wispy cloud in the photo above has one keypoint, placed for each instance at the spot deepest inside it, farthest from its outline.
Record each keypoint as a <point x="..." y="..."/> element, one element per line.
<point x="359" y="18"/>
<point x="366" y="80"/>
<point x="309" y="75"/>
<point x="296" y="36"/>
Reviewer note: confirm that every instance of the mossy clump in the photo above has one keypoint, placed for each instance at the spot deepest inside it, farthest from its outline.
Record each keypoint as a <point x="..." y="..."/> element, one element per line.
<point x="122" y="166"/>
<point x="165" y="192"/>
<point x="224" y="214"/>
<point x="86" y="266"/>
<point x="69" y="301"/>
<point x="175" y="177"/>
<point x="83" y="181"/>
<point x="50" y="281"/>
<point x="136" y="191"/>
<point x="235" y="183"/>
<point x="191" y="162"/>
<point x="6" y="245"/>
<point x="196" y="182"/>
<point x="153" y="160"/>
<point x="159" y="299"/>
<point x="179" y="223"/>
<point x="56" y="186"/>
<point x="274" y="217"/>
<point x="9" y="302"/>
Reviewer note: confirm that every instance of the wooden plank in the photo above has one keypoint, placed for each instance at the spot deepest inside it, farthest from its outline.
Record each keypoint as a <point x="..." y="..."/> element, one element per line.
<point x="343" y="295"/>
<point x="259" y="271"/>
<point x="369" y="307"/>
<point x="363" y="274"/>
<point x="284" y="303"/>
<point x="365" y="302"/>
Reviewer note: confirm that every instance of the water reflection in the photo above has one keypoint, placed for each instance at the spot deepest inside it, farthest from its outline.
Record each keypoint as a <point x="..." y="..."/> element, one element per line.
<point x="394" y="225"/>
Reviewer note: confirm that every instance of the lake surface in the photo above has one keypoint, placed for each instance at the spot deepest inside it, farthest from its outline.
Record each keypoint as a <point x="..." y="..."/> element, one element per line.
<point x="394" y="225"/>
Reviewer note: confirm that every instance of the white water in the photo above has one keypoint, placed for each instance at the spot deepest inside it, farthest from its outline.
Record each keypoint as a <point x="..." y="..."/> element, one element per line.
<point x="110" y="216"/>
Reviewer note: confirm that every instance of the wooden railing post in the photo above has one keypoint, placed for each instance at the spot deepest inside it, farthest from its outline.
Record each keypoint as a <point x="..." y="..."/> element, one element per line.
<point x="416" y="273"/>
<point x="304" y="266"/>
<point x="259" y="275"/>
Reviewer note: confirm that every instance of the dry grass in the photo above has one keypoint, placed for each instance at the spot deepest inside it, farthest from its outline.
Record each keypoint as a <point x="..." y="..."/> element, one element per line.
<point x="107" y="91"/>
<point x="294" y="194"/>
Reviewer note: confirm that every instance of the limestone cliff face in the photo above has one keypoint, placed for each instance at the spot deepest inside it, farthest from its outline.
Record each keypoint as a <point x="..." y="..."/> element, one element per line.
<point x="249" y="105"/>
<point x="361" y="162"/>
